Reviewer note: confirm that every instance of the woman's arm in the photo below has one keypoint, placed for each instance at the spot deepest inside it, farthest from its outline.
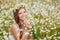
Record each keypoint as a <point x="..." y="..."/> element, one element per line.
<point x="30" y="37"/>
<point x="28" y="34"/>
<point x="15" y="32"/>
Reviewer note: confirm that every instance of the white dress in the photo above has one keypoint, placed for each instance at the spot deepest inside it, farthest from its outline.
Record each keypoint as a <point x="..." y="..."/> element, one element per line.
<point x="11" y="37"/>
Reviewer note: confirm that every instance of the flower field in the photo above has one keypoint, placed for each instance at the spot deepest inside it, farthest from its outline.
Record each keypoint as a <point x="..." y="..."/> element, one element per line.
<point x="44" y="15"/>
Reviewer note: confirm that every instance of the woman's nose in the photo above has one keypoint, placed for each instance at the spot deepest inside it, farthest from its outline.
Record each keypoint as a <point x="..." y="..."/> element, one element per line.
<point x="23" y="14"/>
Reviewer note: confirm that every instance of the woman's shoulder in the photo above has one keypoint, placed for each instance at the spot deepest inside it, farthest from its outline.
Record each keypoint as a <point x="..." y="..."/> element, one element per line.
<point x="14" y="26"/>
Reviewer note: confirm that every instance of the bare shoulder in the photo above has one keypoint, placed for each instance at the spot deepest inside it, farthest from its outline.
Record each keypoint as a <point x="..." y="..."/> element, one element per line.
<point x="13" y="29"/>
<point x="14" y="26"/>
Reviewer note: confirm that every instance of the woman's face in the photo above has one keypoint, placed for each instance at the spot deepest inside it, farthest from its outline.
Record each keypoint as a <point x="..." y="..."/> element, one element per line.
<point x="22" y="14"/>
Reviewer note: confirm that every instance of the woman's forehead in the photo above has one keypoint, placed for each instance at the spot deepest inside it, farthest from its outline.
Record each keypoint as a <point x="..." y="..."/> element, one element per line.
<point x="21" y="10"/>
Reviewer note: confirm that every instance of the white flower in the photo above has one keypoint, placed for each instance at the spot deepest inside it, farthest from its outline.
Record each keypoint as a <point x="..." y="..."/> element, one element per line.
<point x="49" y="0"/>
<point x="44" y="13"/>
<point x="4" y="6"/>
<point x="33" y="9"/>
<point x="4" y="33"/>
<point x="53" y="27"/>
<point x="4" y="12"/>
<point x="0" y="31"/>
<point x="58" y="17"/>
<point x="10" y="17"/>
<point x="43" y="30"/>
<point x="42" y="21"/>
<point x="50" y="7"/>
<point x="47" y="19"/>
<point x="0" y="21"/>
<point x="41" y="4"/>
<point x="58" y="37"/>
<point x="47" y="5"/>
<point x="24" y="4"/>
<point x="5" y="37"/>
<point x="6" y="21"/>
<point x="44" y="38"/>
<point x="48" y="30"/>
<point x="11" y="9"/>
<point x="49" y="37"/>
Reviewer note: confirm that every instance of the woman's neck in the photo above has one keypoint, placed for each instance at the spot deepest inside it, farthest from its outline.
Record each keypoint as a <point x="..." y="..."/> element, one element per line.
<point x="21" y="22"/>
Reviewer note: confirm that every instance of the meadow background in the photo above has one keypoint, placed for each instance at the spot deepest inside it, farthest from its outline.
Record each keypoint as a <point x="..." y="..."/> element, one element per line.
<point x="44" y="15"/>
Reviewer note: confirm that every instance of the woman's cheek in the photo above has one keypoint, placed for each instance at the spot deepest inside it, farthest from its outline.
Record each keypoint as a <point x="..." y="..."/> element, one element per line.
<point x="20" y="16"/>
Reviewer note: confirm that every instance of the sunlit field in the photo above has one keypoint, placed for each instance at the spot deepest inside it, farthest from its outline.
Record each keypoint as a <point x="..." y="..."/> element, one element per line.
<point x="43" y="14"/>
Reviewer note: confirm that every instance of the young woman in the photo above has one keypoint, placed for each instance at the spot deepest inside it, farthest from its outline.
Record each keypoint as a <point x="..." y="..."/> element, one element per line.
<point x="20" y="29"/>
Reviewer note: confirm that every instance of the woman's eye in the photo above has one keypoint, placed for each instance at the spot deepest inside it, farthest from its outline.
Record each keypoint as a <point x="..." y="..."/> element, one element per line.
<point x="22" y="12"/>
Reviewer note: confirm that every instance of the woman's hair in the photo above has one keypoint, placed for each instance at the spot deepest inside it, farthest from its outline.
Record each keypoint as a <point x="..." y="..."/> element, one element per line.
<point x="17" y="20"/>
<point x="16" y="17"/>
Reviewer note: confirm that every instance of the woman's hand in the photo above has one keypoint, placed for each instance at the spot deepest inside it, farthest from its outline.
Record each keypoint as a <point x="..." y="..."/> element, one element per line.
<point x="23" y="36"/>
<point x="15" y="32"/>
<point x="26" y="35"/>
